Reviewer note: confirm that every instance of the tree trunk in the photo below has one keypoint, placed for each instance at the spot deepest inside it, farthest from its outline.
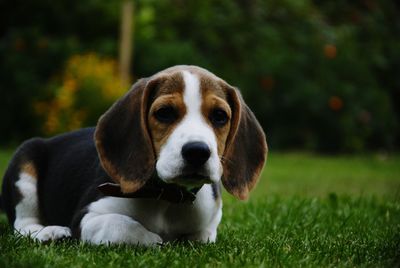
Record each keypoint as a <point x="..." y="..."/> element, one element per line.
<point x="126" y="36"/>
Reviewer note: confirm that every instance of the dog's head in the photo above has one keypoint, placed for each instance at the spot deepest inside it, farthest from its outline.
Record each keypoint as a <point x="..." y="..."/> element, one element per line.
<point x="188" y="126"/>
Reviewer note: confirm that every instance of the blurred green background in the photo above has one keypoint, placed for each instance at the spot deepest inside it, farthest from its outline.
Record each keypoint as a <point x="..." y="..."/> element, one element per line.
<point x="319" y="75"/>
<point x="322" y="77"/>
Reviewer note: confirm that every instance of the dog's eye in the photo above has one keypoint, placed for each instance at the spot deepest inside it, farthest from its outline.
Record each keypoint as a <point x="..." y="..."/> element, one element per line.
<point x="166" y="114"/>
<point x="218" y="117"/>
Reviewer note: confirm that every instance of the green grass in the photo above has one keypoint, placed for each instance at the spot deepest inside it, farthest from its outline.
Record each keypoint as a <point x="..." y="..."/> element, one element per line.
<point x="307" y="210"/>
<point x="315" y="175"/>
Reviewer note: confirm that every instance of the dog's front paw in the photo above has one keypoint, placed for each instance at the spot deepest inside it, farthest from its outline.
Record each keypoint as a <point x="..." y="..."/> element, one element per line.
<point x="205" y="236"/>
<point x="116" y="229"/>
<point x="52" y="233"/>
<point x="149" y="239"/>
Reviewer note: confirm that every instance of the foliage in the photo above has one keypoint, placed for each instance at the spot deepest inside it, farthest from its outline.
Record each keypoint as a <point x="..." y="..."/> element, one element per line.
<point x="36" y="39"/>
<point x="319" y="75"/>
<point x="313" y="82"/>
<point x="89" y="85"/>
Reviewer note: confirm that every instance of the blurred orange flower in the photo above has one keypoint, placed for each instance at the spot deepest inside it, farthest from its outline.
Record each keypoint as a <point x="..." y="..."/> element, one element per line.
<point x="335" y="103"/>
<point x="267" y="82"/>
<point x="19" y="44"/>
<point x="330" y="51"/>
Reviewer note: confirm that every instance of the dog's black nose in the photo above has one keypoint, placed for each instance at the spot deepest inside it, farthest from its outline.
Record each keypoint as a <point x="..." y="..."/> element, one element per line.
<point x="196" y="153"/>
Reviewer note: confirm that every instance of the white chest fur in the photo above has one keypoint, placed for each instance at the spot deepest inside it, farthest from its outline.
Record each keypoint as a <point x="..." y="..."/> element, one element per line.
<point x="147" y="222"/>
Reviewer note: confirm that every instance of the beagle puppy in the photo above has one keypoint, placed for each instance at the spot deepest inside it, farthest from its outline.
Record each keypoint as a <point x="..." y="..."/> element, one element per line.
<point x="149" y="172"/>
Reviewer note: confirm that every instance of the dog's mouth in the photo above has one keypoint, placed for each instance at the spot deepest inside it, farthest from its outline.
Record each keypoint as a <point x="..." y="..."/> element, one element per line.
<point x="191" y="180"/>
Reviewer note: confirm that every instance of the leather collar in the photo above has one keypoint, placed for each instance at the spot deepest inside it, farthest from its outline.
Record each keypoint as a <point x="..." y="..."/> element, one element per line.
<point x="154" y="189"/>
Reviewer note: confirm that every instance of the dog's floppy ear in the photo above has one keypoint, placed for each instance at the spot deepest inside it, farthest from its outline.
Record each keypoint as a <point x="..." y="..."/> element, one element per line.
<point x="123" y="141"/>
<point x="245" y="150"/>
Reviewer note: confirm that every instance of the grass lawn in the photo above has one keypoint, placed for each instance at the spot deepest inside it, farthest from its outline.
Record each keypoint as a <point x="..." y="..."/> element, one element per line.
<point x="307" y="210"/>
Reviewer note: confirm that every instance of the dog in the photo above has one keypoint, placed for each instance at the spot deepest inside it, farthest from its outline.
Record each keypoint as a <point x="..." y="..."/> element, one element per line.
<point x="149" y="172"/>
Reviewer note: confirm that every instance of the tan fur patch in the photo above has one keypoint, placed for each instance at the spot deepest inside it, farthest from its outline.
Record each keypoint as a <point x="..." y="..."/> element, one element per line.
<point x="242" y="194"/>
<point x="169" y="93"/>
<point x="107" y="165"/>
<point x="210" y="103"/>
<point x="130" y="186"/>
<point x="214" y="97"/>
<point x="29" y="168"/>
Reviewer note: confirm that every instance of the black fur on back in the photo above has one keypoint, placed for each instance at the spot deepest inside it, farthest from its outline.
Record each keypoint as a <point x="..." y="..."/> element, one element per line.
<point x="68" y="171"/>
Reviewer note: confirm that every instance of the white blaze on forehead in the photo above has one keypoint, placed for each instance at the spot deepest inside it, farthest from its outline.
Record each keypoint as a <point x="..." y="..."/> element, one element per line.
<point x="191" y="94"/>
<point x="193" y="127"/>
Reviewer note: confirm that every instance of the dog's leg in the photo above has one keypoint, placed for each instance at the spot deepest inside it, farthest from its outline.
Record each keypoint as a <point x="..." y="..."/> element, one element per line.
<point x="209" y="234"/>
<point x="115" y="229"/>
<point x="27" y="222"/>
